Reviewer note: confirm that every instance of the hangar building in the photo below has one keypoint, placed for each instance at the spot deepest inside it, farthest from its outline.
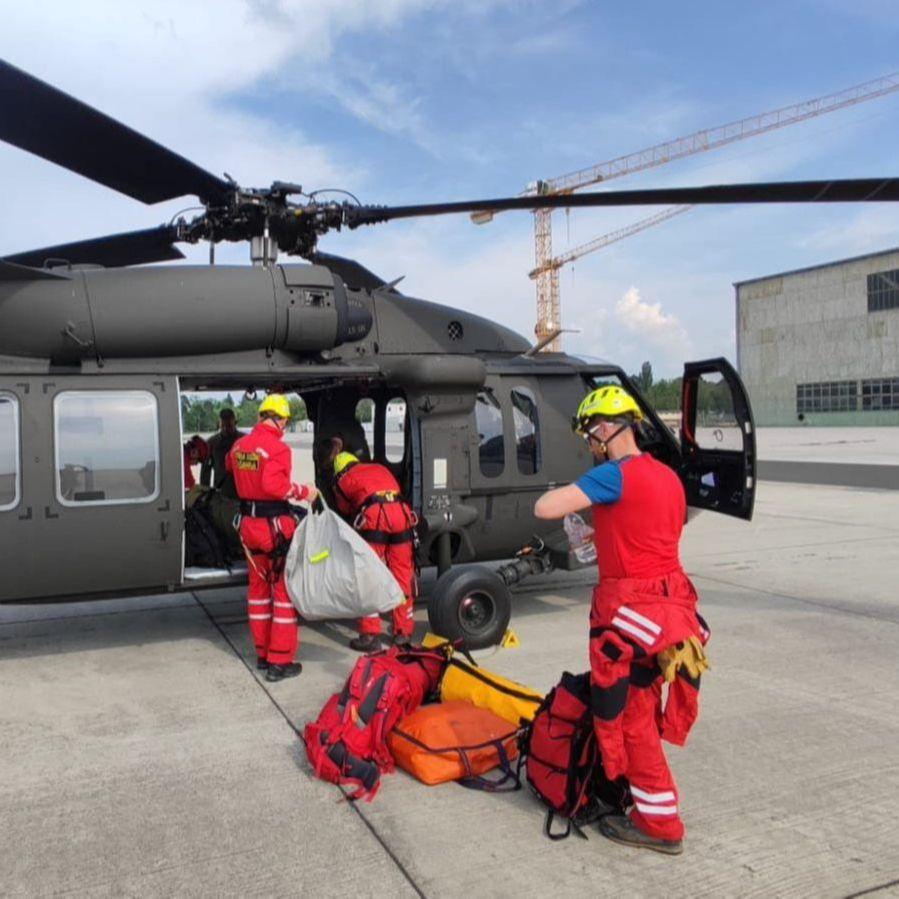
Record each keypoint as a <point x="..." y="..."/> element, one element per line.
<point x="820" y="345"/>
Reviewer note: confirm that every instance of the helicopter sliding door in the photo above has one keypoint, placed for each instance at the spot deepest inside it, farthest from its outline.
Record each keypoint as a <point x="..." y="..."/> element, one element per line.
<point x="717" y="439"/>
<point x="19" y="477"/>
<point x="103" y="486"/>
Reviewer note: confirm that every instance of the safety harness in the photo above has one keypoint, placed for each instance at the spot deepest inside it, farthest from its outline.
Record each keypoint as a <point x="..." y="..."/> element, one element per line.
<point x="271" y="510"/>
<point x="380" y="498"/>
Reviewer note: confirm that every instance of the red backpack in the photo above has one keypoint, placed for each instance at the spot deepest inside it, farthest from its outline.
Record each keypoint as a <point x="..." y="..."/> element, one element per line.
<point x="347" y="744"/>
<point x="563" y="763"/>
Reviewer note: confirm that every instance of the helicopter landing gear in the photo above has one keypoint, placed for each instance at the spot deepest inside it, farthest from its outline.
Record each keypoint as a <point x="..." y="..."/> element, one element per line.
<point x="472" y="604"/>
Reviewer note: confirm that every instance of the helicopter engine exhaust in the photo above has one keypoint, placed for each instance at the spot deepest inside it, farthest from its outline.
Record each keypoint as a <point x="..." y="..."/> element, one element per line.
<point x="180" y="311"/>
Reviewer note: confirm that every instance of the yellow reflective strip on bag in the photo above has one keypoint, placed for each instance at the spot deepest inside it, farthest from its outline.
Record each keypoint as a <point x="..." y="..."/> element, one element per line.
<point x="320" y="557"/>
<point x="506" y="698"/>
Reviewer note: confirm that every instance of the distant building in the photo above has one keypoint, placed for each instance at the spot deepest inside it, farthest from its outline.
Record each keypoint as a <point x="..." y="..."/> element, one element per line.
<point x="820" y="345"/>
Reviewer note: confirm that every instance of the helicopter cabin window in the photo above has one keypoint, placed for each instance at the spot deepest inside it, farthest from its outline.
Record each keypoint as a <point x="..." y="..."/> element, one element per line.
<point x="527" y="430"/>
<point x="107" y="447"/>
<point x="716" y="421"/>
<point x="395" y="430"/>
<point x="365" y="415"/>
<point x="9" y="452"/>
<point x="491" y="446"/>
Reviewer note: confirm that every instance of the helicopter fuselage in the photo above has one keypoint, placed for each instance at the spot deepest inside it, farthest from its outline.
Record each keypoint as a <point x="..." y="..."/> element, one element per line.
<point x="94" y="362"/>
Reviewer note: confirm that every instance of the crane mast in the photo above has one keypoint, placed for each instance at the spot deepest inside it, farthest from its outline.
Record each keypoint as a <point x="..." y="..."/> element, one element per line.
<point x="546" y="270"/>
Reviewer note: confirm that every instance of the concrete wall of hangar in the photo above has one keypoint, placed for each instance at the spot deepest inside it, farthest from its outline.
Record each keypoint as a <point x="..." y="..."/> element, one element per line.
<point x="813" y="326"/>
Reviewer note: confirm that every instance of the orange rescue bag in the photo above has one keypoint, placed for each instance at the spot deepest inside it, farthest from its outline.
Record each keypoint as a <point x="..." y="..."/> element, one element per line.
<point x="456" y="741"/>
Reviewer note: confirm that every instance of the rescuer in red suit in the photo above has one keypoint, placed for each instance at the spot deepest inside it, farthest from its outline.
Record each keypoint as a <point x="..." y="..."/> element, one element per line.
<point x="261" y="464"/>
<point x="370" y="496"/>
<point x="644" y="627"/>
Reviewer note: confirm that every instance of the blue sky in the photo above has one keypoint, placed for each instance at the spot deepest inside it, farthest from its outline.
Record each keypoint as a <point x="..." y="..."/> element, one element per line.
<point x="418" y="100"/>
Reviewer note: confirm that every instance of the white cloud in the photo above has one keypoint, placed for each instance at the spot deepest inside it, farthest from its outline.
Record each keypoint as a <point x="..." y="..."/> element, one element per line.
<point x="167" y="69"/>
<point x="647" y="319"/>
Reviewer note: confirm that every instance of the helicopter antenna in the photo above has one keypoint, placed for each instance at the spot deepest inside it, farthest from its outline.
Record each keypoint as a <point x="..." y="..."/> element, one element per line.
<point x="548" y="338"/>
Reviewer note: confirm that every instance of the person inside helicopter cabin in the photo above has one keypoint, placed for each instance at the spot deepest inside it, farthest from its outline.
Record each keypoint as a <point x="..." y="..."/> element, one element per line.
<point x="370" y="498"/>
<point x="262" y="463"/>
<point x="196" y="450"/>
<point x="644" y="624"/>
<point x="213" y="471"/>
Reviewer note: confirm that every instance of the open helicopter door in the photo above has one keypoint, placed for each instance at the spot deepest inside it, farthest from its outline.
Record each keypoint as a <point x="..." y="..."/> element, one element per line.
<point x="717" y="439"/>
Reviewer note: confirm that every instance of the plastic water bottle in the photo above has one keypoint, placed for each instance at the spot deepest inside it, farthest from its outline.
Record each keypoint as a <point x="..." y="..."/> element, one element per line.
<point x="580" y="538"/>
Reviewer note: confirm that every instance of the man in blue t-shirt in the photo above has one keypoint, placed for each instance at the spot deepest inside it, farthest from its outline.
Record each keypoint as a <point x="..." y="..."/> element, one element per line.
<point x="643" y="605"/>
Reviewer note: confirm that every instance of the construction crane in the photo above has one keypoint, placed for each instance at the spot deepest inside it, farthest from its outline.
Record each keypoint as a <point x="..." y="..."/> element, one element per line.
<point x="557" y="262"/>
<point x="546" y="271"/>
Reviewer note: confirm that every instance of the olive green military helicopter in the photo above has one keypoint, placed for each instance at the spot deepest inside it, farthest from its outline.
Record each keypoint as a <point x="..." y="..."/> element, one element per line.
<point x="96" y="353"/>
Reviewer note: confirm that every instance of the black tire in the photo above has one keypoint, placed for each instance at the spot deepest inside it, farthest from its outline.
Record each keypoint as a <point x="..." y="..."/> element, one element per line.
<point x="472" y="604"/>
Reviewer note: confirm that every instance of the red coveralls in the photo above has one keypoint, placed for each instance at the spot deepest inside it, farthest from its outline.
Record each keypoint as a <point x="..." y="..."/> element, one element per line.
<point x="643" y="604"/>
<point x="371" y="493"/>
<point x="261" y="464"/>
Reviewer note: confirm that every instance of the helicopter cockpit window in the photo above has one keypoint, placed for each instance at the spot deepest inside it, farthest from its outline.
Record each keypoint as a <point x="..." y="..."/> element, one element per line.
<point x="491" y="446"/>
<point x="107" y="447"/>
<point x="395" y="430"/>
<point x="527" y="430"/>
<point x="9" y="452"/>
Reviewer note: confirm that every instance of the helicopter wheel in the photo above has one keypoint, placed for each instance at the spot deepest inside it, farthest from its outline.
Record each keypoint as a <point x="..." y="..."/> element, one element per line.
<point x="472" y="604"/>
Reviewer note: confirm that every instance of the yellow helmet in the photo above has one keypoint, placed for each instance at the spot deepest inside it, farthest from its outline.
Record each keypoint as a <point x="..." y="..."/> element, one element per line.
<point x="610" y="401"/>
<point x="342" y="460"/>
<point x="277" y="403"/>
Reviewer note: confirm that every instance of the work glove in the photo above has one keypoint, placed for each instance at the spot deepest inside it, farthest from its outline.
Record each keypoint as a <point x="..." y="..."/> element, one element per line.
<point x="688" y="654"/>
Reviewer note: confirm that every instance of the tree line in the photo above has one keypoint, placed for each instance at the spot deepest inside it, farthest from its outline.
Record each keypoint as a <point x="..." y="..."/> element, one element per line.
<point x="664" y="395"/>
<point x="201" y="415"/>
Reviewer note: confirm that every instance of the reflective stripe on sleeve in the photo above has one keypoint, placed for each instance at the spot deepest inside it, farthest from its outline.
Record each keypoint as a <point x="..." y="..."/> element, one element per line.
<point x="641" y="635"/>
<point x="642" y="620"/>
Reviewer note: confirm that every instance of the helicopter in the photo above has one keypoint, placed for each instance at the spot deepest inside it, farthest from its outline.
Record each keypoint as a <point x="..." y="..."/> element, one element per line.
<point x="98" y="345"/>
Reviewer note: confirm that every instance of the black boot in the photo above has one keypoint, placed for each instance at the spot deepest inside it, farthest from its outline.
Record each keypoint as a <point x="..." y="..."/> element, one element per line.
<point x="404" y="641"/>
<point x="261" y="664"/>
<point x="279" y="672"/>
<point x="620" y="829"/>
<point x="366" y="643"/>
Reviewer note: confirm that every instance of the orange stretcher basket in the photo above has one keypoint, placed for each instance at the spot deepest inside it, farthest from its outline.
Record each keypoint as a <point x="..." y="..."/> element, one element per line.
<point x="457" y="741"/>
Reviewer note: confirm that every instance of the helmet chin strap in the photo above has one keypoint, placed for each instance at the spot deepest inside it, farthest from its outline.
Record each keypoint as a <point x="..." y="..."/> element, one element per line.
<point x="604" y="444"/>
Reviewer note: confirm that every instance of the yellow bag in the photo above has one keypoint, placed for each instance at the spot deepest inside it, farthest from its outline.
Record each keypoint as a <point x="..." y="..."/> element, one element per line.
<point x="506" y="698"/>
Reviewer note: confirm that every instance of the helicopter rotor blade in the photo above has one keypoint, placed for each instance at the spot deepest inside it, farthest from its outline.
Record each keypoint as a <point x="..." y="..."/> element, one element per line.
<point x="851" y="190"/>
<point x="43" y="120"/>
<point x="113" y="251"/>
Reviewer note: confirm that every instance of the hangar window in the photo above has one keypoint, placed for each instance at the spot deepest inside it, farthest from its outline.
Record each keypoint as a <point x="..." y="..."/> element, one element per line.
<point x="883" y="291"/>
<point x="827" y="396"/>
<point x="527" y="430"/>
<point x="491" y="446"/>
<point x="9" y="452"/>
<point x="107" y="447"/>
<point x="881" y="394"/>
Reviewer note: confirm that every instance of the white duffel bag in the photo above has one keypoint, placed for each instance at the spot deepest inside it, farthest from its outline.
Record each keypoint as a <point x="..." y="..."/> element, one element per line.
<point x="331" y="572"/>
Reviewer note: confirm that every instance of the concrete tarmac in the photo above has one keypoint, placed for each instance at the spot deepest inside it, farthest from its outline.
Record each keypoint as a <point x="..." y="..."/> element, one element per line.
<point x="141" y="755"/>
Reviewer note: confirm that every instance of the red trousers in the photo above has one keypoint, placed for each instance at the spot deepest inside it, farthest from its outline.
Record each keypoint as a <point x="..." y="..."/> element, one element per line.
<point x="273" y="619"/>
<point x="379" y="522"/>
<point x="655" y="808"/>
<point x="631" y="621"/>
